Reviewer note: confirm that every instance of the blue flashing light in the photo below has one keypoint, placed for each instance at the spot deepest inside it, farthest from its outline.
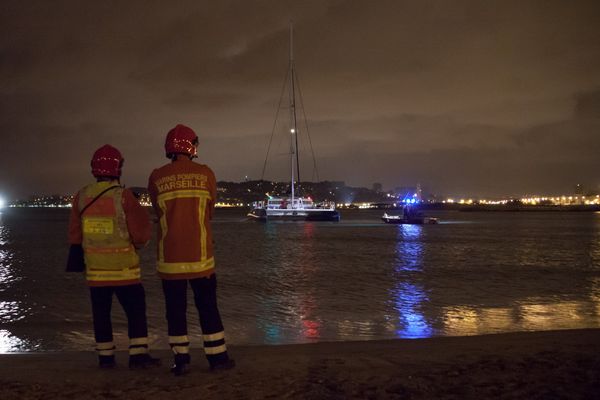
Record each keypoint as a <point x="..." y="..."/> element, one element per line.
<point x="409" y="199"/>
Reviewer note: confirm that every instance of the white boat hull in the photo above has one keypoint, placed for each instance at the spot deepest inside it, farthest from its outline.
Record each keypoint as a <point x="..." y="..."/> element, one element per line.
<point x="294" y="214"/>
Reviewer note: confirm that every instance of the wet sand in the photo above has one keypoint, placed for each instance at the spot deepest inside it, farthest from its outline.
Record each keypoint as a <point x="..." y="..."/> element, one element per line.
<point x="535" y="365"/>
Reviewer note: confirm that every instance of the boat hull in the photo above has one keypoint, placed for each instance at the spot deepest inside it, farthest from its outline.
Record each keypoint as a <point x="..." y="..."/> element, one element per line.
<point x="294" y="215"/>
<point x="409" y="221"/>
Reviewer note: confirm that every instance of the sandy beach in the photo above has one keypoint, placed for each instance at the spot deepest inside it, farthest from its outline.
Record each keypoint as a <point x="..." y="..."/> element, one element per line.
<point x="535" y="365"/>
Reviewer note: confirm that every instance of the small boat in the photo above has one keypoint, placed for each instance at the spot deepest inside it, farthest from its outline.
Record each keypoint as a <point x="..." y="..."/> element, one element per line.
<point x="408" y="217"/>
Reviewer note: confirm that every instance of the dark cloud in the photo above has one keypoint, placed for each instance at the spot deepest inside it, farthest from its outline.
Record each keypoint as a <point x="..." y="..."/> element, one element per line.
<point x="464" y="96"/>
<point x="588" y="105"/>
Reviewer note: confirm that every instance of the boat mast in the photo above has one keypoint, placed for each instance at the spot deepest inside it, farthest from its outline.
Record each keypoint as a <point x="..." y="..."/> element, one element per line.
<point x="293" y="127"/>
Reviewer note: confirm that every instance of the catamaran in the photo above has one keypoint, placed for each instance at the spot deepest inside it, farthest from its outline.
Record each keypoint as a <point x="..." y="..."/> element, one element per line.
<point x="294" y="206"/>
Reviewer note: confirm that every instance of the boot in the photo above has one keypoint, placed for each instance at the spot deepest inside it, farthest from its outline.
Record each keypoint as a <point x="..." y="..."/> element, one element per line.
<point x="180" y="369"/>
<point x="141" y="361"/>
<point x="106" y="362"/>
<point x="181" y="366"/>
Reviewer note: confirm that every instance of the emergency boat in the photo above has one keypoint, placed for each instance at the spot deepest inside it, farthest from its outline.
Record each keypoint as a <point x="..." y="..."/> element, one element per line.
<point x="408" y="216"/>
<point x="399" y="219"/>
<point x="292" y="207"/>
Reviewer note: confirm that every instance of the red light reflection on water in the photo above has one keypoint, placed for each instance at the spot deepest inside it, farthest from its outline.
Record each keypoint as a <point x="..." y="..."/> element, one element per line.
<point x="309" y="230"/>
<point x="311" y="329"/>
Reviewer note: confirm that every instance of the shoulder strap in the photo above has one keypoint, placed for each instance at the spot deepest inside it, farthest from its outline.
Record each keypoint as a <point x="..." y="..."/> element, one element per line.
<point x="96" y="198"/>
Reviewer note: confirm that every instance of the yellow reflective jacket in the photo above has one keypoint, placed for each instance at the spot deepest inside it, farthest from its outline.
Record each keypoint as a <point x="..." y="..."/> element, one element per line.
<point x="110" y="256"/>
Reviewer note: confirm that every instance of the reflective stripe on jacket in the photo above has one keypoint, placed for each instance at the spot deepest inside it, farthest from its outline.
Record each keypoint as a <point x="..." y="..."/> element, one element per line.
<point x="110" y="257"/>
<point x="183" y="195"/>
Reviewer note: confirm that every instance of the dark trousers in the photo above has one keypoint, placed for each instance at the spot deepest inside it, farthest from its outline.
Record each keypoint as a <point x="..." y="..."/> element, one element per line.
<point x="133" y="301"/>
<point x="205" y="299"/>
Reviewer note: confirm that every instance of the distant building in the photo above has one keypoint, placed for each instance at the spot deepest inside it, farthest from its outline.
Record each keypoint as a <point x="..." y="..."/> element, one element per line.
<point x="404" y="192"/>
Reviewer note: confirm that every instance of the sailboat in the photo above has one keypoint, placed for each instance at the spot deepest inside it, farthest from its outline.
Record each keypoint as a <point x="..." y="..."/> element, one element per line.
<point x="294" y="206"/>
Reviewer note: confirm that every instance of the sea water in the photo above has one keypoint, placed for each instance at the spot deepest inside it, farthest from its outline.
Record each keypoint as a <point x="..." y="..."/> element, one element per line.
<point x="297" y="282"/>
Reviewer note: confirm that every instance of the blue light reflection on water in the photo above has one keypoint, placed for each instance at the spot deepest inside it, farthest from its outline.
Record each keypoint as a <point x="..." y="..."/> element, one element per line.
<point x="409" y="296"/>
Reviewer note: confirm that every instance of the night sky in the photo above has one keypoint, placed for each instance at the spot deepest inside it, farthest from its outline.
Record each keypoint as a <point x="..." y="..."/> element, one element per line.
<point x="465" y="97"/>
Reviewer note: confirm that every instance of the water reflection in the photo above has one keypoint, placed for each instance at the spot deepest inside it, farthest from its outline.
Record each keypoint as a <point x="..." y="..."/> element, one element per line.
<point x="7" y="275"/>
<point x="408" y="295"/>
<point x="288" y="305"/>
<point x="568" y="314"/>
<point x="308" y="303"/>
<point x="530" y="315"/>
<point x="409" y="299"/>
<point x="12" y="311"/>
<point x="3" y="233"/>
<point x="353" y="329"/>
<point x="8" y="342"/>
<point x="595" y="261"/>
<point x="465" y="321"/>
<point x="595" y="243"/>
<point x="595" y="297"/>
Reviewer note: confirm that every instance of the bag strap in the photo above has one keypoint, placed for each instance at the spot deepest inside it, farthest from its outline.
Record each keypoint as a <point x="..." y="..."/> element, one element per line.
<point x="96" y="198"/>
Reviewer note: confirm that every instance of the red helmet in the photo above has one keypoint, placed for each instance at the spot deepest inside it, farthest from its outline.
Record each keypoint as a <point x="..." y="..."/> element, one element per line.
<point x="181" y="139"/>
<point x="107" y="161"/>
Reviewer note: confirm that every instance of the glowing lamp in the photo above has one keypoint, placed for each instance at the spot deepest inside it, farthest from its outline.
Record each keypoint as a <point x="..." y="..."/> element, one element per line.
<point x="2" y="202"/>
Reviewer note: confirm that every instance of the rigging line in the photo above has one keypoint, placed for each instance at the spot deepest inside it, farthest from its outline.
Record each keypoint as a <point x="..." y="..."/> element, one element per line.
<point x="294" y="83"/>
<point x="262" y="176"/>
<point x="312" y="150"/>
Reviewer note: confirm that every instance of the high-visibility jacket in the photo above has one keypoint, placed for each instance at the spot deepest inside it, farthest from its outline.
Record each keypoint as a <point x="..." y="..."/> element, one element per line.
<point x="183" y="194"/>
<point x="104" y="232"/>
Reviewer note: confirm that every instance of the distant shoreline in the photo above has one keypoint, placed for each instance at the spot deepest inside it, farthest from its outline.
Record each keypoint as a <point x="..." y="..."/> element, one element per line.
<point x="423" y="206"/>
<point x="510" y="208"/>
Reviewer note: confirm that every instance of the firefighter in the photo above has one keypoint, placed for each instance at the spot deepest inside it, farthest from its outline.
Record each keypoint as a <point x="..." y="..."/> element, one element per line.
<point x="110" y="224"/>
<point x="183" y="194"/>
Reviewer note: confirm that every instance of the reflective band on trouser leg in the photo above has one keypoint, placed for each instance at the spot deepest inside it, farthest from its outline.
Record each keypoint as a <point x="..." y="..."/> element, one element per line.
<point x="105" y="348"/>
<point x="138" y="346"/>
<point x="180" y="344"/>
<point x="214" y="336"/>
<point x="214" y="343"/>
